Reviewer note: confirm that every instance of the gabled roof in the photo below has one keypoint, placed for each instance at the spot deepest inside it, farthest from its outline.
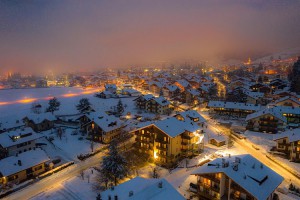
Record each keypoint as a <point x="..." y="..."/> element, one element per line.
<point x="193" y="92"/>
<point x="248" y="172"/>
<point x="293" y="135"/>
<point x="142" y="188"/>
<point x="234" y="105"/>
<point x="267" y="111"/>
<point x="104" y="121"/>
<point x="113" y="86"/>
<point x="161" y="101"/>
<point x="172" y="88"/>
<point x="9" y="165"/>
<point x="287" y="98"/>
<point x="192" y="114"/>
<point x="183" y="82"/>
<point x="38" y="118"/>
<point x="18" y="136"/>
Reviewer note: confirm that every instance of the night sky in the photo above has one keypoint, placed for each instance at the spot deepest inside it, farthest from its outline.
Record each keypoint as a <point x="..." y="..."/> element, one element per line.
<point x="61" y="35"/>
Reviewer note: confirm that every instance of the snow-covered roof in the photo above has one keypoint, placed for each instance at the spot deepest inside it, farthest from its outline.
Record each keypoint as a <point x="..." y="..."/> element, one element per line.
<point x="193" y="92"/>
<point x="131" y="91"/>
<point x="142" y="188"/>
<point x="113" y="86"/>
<point x="192" y="114"/>
<point x="254" y="95"/>
<point x="18" y="136"/>
<point x="147" y="97"/>
<point x="9" y="122"/>
<point x="271" y="111"/>
<point x="183" y="82"/>
<point x="161" y="101"/>
<point x="38" y="118"/>
<point x="248" y="172"/>
<point x="9" y="165"/>
<point x="293" y="135"/>
<point x="172" y="88"/>
<point x="104" y="121"/>
<point x="287" y="98"/>
<point x="234" y="105"/>
<point x="174" y="127"/>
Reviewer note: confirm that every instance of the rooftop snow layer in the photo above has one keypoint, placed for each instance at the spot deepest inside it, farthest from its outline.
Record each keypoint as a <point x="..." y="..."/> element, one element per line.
<point x="141" y="188"/>
<point x="28" y="159"/>
<point x="15" y="137"/>
<point x="255" y="177"/>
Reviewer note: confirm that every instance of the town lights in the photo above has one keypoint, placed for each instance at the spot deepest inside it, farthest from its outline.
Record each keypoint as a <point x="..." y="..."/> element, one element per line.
<point x="155" y="155"/>
<point x="200" y="137"/>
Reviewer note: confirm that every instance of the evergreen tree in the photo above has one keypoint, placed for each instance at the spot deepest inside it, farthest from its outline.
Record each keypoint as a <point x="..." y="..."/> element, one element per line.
<point x="120" y="107"/>
<point x="294" y="77"/>
<point x="83" y="103"/>
<point x="114" y="166"/>
<point x="53" y="105"/>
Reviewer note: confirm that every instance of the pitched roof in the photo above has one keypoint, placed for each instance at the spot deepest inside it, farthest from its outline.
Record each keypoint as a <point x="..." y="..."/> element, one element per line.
<point x="270" y="111"/>
<point x="18" y="136"/>
<point x="287" y="98"/>
<point x="293" y="135"/>
<point x="9" y="165"/>
<point x="161" y="101"/>
<point x="234" y="105"/>
<point x="142" y="188"/>
<point x="248" y="172"/>
<point x="104" y="121"/>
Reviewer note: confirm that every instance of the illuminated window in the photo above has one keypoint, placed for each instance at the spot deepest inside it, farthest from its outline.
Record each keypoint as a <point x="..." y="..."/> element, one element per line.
<point x="206" y="182"/>
<point x="218" y="176"/>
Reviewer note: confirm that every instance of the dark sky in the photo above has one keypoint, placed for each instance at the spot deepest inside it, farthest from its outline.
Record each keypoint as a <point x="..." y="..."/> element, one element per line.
<point x="37" y="35"/>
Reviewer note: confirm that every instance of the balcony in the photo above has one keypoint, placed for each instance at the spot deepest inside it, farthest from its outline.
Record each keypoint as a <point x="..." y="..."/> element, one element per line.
<point x="162" y="148"/>
<point x="187" y="137"/>
<point x="161" y="140"/>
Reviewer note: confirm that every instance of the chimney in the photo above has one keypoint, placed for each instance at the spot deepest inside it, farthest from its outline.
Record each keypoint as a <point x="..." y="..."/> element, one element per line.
<point x="19" y="163"/>
<point x="160" y="185"/>
<point x="116" y="197"/>
<point x="109" y="197"/>
<point x="130" y="193"/>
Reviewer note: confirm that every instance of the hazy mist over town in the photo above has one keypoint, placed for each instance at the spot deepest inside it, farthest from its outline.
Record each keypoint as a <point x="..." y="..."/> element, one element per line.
<point x="150" y="100"/>
<point x="37" y="36"/>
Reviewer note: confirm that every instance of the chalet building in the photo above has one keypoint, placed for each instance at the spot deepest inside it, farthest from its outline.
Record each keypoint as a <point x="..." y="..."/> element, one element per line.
<point x="268" y="120"/>
<point x="40" y="122"/>
<point x="130" y="92"/>
<point x="182" y="84"/>
<point x="232" y="108"/>
<point x="141" y="101"/>
<point x="235" y="178"/>
<point x="106" y="95"/>
<point x="100" y="126"/>
<point x="254" y="97"/>
<point x="260" y="87"/>
<point x="287" y="101"/>
<point x="281" y="94"/>
<point x="283" y="117"/>
<point x="170" y="91"/>
<point x="238" y="83"/>
<point x="169" y="140"/>
<point x="191" y="96"/>
<point x="142" y="188"/>
<point x="17" y="141"/>
<point x="111" y="88"/>
<point x="155" y="87"/>
<point x="27" y="165"/>
<point x="277" y="84"/>
<point x="288" y="143"/>
<point x="159" y="105"/>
